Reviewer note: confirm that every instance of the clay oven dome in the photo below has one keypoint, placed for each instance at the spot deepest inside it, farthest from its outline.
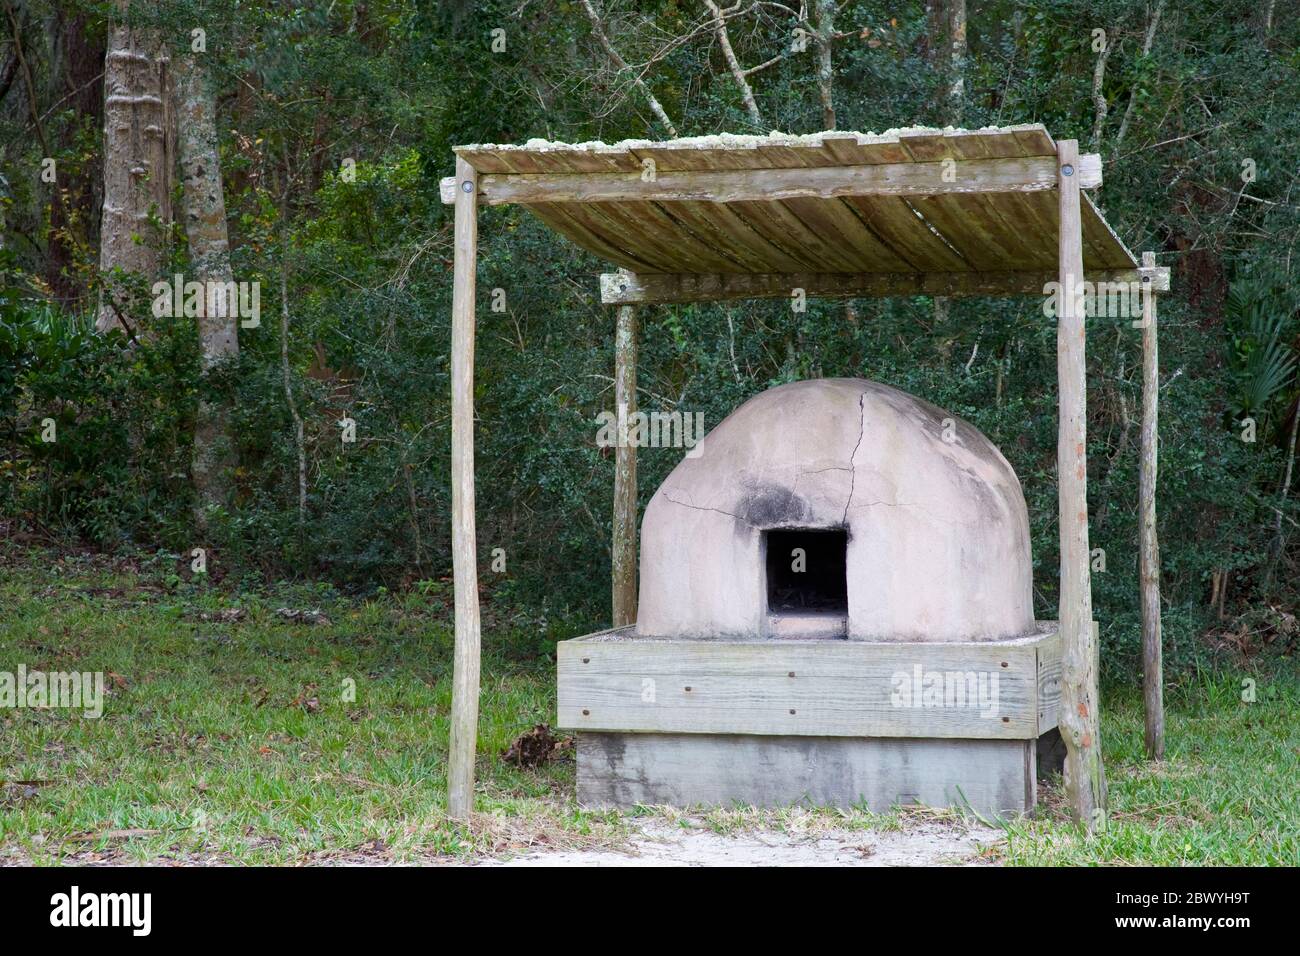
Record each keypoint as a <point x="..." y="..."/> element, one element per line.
<point x="910" y="524"/>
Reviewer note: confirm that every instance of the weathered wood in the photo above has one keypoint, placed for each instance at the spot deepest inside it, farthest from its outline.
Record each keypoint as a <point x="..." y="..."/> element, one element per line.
<point x="991" y="777"/>
<point x="969" y="236"/>
<point x="650" y="225"/>
<point x="1049" y="682"/>
<point x="1101" y="241"/>
<point x="623" y="288"/>
<point x="822" y="688"/>
<point x="139" y="139"/>
<point x="561" y="218"/>
<point x="465" y="668"/>
<point x="1085" y="781"/>
<point x="1149" y="563"/>
<point x="896" y="222"/>
<point x="623" y="546"/>
<point x="757" y="152"/>
<point x="844" y="230"/>
<point x="779" y="224"/>
<point x="825" y="182"/>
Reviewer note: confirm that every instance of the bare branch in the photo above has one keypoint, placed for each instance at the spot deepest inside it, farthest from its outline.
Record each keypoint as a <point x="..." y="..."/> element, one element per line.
<point x="1147" y="42"/>
<point x="598" y="28"/>
<point x="724" y="41"/>
<point x="1098" y="96"/>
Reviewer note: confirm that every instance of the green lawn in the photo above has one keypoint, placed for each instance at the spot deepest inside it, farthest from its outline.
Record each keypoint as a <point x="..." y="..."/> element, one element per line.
<point x="232" y="741"/>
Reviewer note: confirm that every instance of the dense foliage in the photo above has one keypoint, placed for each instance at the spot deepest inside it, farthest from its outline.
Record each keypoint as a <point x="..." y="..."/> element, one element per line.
<point x="310" y="93"/>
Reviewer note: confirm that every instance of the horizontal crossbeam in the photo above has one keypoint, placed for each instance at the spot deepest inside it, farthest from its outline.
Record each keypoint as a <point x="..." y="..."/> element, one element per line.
<point x="626" y="288"/>
<point x="1025" y="174"/>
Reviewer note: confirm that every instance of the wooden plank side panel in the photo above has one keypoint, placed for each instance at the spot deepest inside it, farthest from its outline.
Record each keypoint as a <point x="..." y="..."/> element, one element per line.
<point x="842" y="147"/>
<point x="670" y="158"/>
<point x="1034" y="140"/>
<point x="815" y="688"/>
<point x="852" y="149"/>
<point x="1049" y="683"/>
<point x="927" y="147"/>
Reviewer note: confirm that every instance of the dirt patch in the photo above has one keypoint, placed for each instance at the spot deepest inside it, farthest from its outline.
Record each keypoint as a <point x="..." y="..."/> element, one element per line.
<point x="661" y="843"/>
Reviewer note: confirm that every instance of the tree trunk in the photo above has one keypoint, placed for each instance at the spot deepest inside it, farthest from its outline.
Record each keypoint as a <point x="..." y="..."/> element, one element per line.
<point x="956" y="60"/>
<point x="138" y="153"/>
<point x="1279" y="536"/>
<point x="623" y="546"/>
<point x="72" y="215"/>
<point x="213" y="458"/>
<point x="825" y="70"/>
<point x="956" y="71"/>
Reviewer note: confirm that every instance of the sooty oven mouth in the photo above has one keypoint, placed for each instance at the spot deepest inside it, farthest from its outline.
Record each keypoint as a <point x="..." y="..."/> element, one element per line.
<point x="807" y="571"/>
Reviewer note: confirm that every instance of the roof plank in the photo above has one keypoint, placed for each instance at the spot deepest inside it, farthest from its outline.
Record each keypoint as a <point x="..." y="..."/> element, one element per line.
<point x="916" y="201"/>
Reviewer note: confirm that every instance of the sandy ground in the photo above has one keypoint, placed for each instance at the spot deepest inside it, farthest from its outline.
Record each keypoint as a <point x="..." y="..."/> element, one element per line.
<point x="663" y="844"/>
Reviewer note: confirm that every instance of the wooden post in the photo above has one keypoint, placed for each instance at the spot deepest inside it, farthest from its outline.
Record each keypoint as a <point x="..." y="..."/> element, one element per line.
<point x="623" y="546"/>
<point x="1085" y="780"/>
<point x="1149" y="563"/>
<point x="464" y="549"/>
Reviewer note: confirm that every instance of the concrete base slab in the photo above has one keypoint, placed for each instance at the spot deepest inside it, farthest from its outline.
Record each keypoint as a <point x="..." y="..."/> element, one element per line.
<point x="991" y="777"/>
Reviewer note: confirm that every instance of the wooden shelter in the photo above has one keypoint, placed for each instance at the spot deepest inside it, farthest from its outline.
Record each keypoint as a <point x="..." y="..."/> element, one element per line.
<point x="991" y="212"/>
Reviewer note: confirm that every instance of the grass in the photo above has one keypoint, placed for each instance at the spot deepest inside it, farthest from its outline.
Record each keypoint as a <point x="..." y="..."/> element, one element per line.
<point x="236" y="741"/>
<point x="1227" y="793"/>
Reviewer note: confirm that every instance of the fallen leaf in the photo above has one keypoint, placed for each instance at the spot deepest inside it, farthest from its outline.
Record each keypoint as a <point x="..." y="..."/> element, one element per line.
<point x="535" y="747"/>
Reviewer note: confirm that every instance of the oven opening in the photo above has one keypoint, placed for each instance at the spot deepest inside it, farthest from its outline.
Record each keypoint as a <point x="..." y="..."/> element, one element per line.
<point x="806" y="571"/>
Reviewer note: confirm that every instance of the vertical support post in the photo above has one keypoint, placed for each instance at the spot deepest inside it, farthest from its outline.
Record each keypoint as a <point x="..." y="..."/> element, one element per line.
<point x="464" y="548"/>
<point x="1085" y="781"/>
<point x="1149" y="563"/>
<point x="623" y="546"/>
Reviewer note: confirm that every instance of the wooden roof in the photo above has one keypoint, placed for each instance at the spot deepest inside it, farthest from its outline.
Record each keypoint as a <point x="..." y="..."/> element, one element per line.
<point x="916" y="202"/>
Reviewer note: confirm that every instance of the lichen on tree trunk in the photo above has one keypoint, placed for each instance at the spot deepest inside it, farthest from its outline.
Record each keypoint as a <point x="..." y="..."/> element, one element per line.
<point x="138" y="153"/>
<point x="213" y="459"/>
